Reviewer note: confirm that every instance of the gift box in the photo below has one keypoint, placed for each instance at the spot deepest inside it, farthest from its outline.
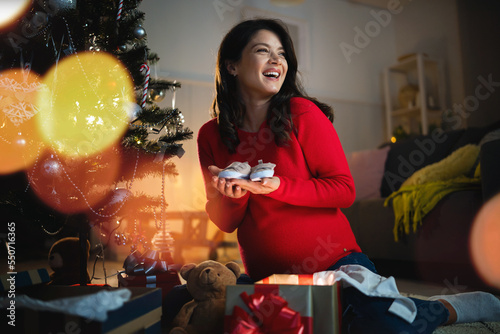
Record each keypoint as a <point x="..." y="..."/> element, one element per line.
<point x="165" y="281"/>
<point x="268" y="308"/>
<point x="288" y="279"/>
<point x="149" y="270"/>
<point x="326" y="298"/>
<point x="140" y="314"/>
<point x="23" y="278"/>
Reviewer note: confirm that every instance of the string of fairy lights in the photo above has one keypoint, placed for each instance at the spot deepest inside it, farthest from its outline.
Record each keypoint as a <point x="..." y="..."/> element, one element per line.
<point x="149" y="129"/>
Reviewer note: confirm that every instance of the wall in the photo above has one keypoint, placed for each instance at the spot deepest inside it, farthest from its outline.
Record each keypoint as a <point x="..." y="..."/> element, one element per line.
<point x="479" y="31"/>
<point x="349" y="45"/>
<point x="463" y="34"/>
<point x="186" y="35"/>
<point x="432" y="27"/>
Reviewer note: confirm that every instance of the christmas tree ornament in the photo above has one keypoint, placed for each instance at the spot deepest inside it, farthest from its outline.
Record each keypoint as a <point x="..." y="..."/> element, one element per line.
<point x="118" y="239"/>
<point x="123" y="48"/>
<point x="36" y="23"/>
<point x="121" y="239"/>
<point x="163" y="241"/>
<point x="51" y="167"/>
<point x="80" y="183"/>
<point x="20" y="141"/>
<point x="92" y="45"/>
<point x="139" y="32"/>
<point x="59" y="5"/>
<point x="85" y="106"/>
<point x="145" y="69"/>
<point x="157" y="95"/>
<point x="117" y="199"/>
<point x="173" y="94"/>
<point x="134" y="111"/>
<point x="119" y="195"/>
<point x="120" y="9"/>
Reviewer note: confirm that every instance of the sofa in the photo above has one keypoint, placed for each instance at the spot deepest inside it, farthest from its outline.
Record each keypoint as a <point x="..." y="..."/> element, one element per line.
<point x="439" y="250"/>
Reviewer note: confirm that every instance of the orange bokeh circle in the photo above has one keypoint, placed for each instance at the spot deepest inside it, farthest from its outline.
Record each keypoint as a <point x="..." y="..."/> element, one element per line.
<point x="75" y="184"/>
<point x="20" y="142"/>
<point x="485" y="242"/>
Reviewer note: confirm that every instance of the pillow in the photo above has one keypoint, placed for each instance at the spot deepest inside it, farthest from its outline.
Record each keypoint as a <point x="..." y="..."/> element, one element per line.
<point x="407" y="156"/>
<point x="456" y="164"/>
<point x="490" y="136"/>
<point x="367" y="170"/>
<point x="490" y="165"/>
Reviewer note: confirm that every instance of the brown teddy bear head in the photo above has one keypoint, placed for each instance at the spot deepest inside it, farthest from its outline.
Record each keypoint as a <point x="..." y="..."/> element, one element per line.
<point x="208" y="279"/>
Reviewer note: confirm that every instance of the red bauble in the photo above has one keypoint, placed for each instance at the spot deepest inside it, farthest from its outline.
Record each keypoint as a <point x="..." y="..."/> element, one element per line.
<point x="72" y="185"/>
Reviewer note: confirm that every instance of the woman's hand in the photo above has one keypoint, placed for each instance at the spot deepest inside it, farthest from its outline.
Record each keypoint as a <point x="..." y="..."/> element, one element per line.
<point x="225" y="186"/>
<point x="236" y="188"/>
<point x="265" y="186"/>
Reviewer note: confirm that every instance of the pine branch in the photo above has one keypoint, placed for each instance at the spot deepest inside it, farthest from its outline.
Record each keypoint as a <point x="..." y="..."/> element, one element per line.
<point x="180" y="135"/>
<point x="93" y="26"/>
<point x="163" y="84"/>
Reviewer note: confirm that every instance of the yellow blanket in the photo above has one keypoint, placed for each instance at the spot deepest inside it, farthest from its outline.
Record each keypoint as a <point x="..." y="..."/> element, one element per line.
<point x="411" y="203"/>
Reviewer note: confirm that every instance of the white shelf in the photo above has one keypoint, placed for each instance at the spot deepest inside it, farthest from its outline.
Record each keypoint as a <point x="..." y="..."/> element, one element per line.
<point x="426" y="75"/>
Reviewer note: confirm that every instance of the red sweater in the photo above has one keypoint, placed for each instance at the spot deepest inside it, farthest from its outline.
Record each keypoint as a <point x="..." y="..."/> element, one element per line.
<point x="298" y="228"/>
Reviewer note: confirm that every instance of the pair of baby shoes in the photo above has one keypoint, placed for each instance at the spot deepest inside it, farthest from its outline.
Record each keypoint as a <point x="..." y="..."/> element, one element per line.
<point x="242" y="170"/>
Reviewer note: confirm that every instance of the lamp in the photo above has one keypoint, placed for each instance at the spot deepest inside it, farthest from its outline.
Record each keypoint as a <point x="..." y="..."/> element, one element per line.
<point x="285" y="3"/>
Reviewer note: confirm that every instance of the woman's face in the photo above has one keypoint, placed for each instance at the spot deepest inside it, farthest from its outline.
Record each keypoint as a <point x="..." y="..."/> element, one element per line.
<point x="262" y="68"/>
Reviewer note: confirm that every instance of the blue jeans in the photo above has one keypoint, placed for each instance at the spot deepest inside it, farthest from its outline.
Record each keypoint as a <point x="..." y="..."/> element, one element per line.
<point x="363" y="314"/>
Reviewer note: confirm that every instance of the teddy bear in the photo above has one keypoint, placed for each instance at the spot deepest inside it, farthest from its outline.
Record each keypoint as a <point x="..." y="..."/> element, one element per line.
<point x="206" y="282"/>
<point x="64" y="260"/>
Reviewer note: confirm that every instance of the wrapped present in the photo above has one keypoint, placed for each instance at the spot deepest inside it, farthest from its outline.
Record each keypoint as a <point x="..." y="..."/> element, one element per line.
<point x="23" y="278"/>
<point x="141" y="313"/>
<point x="268" y="309"/>
<point x="150" y="271"/>
<point x="148" y="263"/>
<point x="326" y="296"/>
<point x="145" y="280"/>
<point x="166" y="281"/>
<point x="288" y="279"/>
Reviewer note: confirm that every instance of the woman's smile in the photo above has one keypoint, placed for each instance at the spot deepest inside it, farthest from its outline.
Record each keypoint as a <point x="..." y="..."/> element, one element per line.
<point x="262" y="68"/>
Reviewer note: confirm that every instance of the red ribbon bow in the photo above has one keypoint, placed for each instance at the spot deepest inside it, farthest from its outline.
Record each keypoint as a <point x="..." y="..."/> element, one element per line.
<point x="271" y="314"/>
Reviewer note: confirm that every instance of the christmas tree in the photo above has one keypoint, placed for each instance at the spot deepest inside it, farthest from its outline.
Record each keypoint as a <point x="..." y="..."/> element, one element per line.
<point x="80" y="122"/>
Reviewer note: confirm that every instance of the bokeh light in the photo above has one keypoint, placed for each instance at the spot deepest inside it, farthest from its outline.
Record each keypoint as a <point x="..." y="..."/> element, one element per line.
<point x="85" y="104"/>
<point x="20" y="142"/>
<point x="75" y="184"/>
<point x="11" y="10"/>
<point x="485" y="242"/>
